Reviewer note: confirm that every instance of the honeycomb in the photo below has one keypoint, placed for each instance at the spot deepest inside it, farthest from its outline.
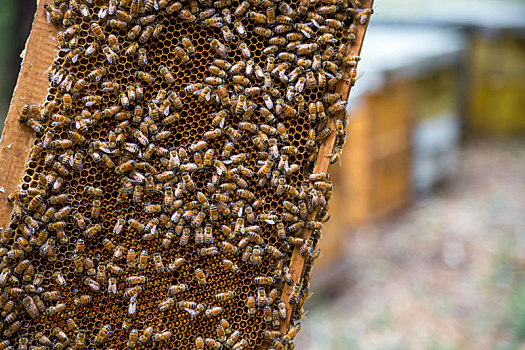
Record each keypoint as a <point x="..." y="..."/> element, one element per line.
<point x="172" y="179"/>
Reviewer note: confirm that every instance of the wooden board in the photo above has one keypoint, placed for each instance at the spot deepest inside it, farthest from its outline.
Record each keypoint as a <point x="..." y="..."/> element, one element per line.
<point x="31" y="87"/>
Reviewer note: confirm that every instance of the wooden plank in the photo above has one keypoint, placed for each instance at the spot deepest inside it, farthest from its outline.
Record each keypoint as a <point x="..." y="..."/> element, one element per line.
<point x="298" y="261"/>
<point x="31" y="87"/>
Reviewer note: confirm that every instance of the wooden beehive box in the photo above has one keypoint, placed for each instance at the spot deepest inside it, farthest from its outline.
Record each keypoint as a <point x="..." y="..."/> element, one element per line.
<point x="374" y="177"/>
<point x="420" y="84"/>
<point x="496" y="82"/>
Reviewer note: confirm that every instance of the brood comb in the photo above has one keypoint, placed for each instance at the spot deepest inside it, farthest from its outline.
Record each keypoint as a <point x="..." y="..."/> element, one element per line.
<point x="177" y="185"/>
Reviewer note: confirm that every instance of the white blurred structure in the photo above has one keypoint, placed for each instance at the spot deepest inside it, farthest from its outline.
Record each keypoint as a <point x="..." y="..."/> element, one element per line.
<point x="393" y="53"/>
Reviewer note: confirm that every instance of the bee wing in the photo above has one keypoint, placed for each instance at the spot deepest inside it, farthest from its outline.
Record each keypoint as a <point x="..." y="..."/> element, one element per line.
<point x="193" y="313"/>
<point x="132" y="308"/>
<point x="102" y="13"/>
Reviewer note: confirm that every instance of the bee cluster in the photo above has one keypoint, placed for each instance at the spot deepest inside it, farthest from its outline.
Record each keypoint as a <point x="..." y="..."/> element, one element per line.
<point x="171" y="178"/>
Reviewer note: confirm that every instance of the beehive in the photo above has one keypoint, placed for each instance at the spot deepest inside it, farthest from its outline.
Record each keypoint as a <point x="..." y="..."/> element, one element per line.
<point x="175" y="191"/>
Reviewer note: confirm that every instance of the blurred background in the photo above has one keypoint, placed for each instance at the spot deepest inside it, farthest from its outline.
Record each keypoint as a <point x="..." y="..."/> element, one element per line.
<point x="426" y="245"/>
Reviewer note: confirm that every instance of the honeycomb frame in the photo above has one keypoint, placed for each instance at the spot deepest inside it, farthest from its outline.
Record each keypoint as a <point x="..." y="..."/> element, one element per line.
<point x="299" y="266"/>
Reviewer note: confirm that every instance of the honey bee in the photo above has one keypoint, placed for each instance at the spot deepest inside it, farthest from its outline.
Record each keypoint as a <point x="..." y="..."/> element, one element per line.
<point x="209" y="251"/>
<point x="226" y="296"/>
<point x="227" y="247"/>
<point x="133" y="339"/>
<point x="168" y="77"/>
<point x="74" y="54"/>
<point x="221" y="3"/>
<point x="53" y="15"/>
<point x="188" y="182"/>
<point x="145" y="77"/>
<point x="102" y="334"/>
<point x="199" y="343"/>
<point x="221" y="332"/>
<point x="213" y="312"/>
<point x="219" y="48"/>
<point x="159" y="265"/>
<point x="97" y="74"/>
<point x="250" y="304"/>
<point x="132" y="50"/>
<point x="55" y="310"/>
<point x="187" y="15"/>
<point x="363" y="15"/>
<point x="200" y="277"/>
<point x="71" y="31"/>
<point x="83" y="300"/>
<point x="111" y="56"/>
<point x="175" y="7"/>
<point x="175" y="100"/>
<point x="212" y="343"/>
<point x="294" y="295"/>
<point x="164" y="336"/>
<point x="71" y="325"/>
<point x="277" y="40"/>
<point x="146" y="335"/>
<point x="181" y="55"/>
<point x="136" y="225"/>
<point x="116" y="23"/>
<point x="292" y="332"/>
<point x="207" y="13"/>
<point x="143" y="260"/>
<point x="133" y="33"/>
<point x="66" y="84"/>
<point x="229" y="265"/>
<point x="98" y="32"/>
<point x="245" y="51"/>
<point x="80" y="338"/>
<point x="265" y="32"/>
<point x="95" y="208"/>
<point x="132" y="292"/>
<point x="263" y="280"/>
<point x="178" y="288"/>
<point x="271" y="50"/>
<point x="192" y="88"/>
<point x="337" y="107"/>
<point x="213" y="22"/>
<point x="270" y="334"/>
<point x="30" y="307"/>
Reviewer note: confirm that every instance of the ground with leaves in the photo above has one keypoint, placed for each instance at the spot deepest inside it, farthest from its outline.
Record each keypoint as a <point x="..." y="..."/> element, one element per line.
<point x="446" y="274"/>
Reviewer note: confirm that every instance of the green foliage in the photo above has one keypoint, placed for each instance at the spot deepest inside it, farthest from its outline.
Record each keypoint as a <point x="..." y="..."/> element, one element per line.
<point x="7" y="26"/>
<point x="517" y="312"/>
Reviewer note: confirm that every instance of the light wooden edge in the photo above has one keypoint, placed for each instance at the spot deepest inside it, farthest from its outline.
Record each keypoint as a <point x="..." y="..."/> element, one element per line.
<point x="31" y="87"/>
<point x="297" y="263"/>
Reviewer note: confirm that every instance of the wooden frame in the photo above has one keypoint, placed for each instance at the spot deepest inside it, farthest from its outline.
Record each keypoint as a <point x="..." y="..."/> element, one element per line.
<point x="323" y="162"/>
<point x="32" y="87"/>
